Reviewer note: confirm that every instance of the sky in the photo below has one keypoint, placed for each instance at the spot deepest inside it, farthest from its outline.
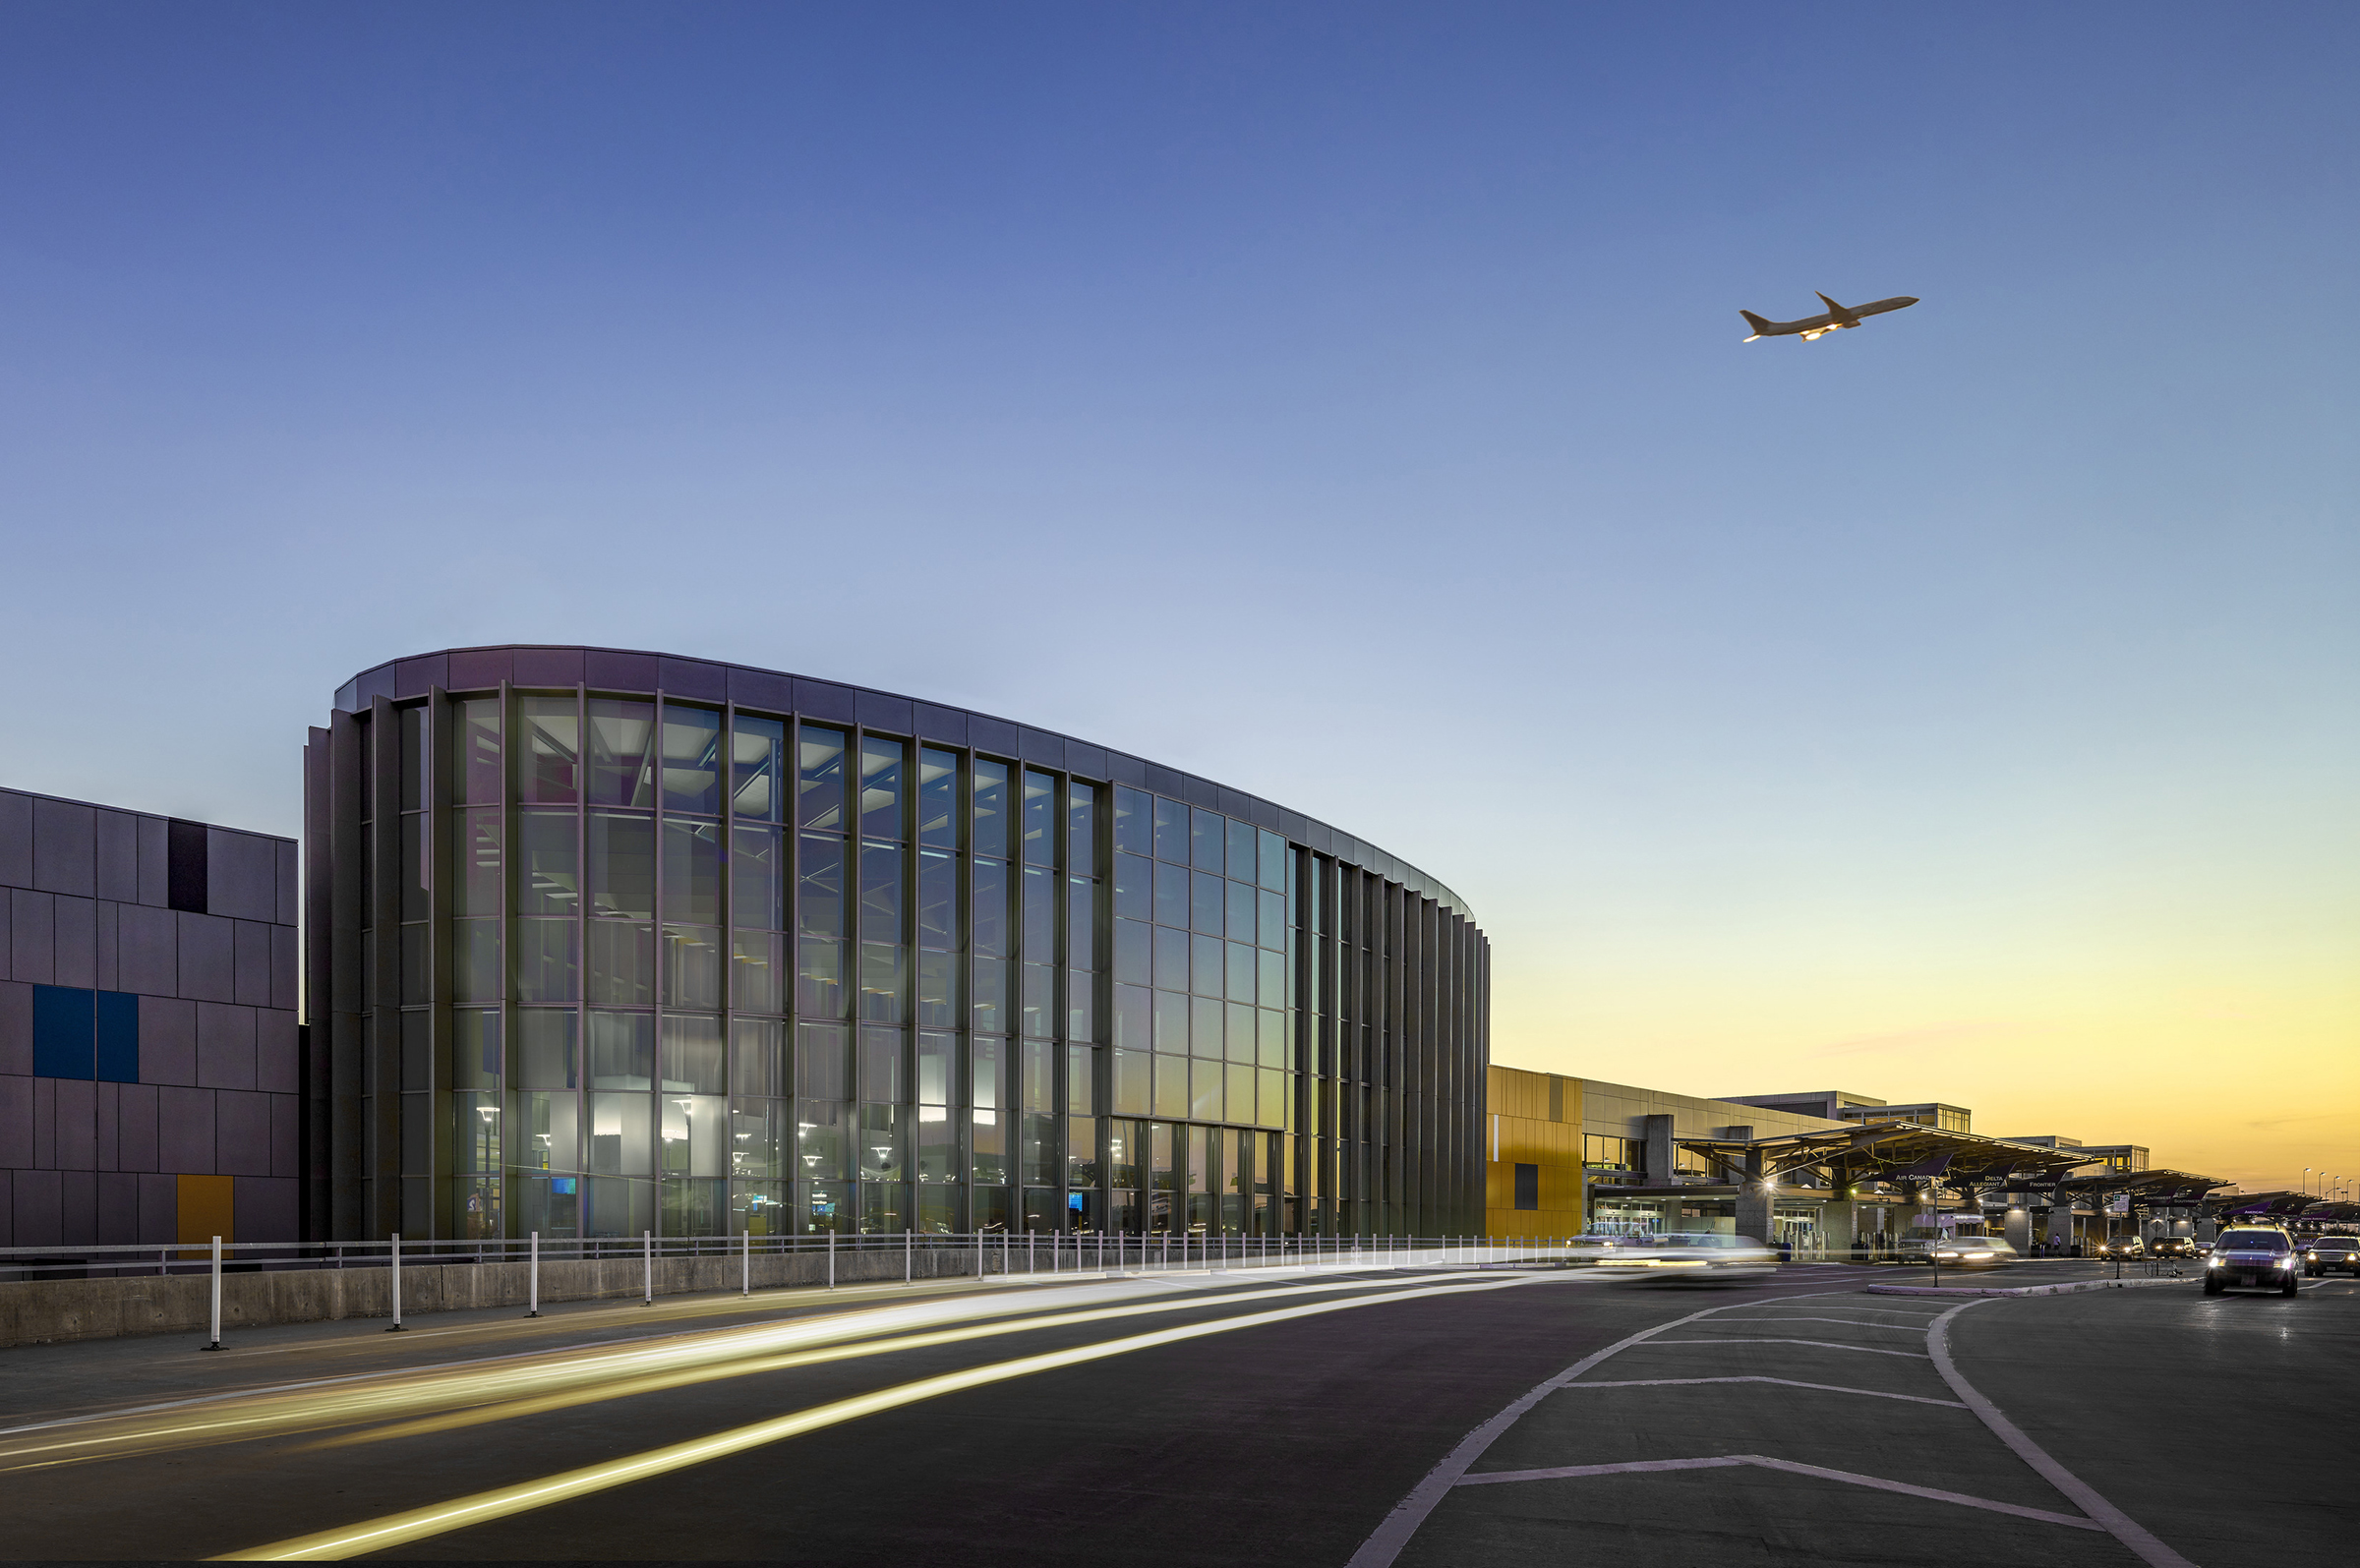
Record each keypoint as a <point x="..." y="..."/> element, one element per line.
<point x="1342" y="401"/>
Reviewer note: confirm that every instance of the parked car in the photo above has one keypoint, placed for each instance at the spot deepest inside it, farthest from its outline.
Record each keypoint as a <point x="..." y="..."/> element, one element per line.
<point x="2325" y="1255"/>
<point x="2122" y="1248"/>
<point x="2173" y="1247"/>
<point x="1973" y="1251"/>
<point x="1688" y="1256"/>
<point x="2253" y="1258"/>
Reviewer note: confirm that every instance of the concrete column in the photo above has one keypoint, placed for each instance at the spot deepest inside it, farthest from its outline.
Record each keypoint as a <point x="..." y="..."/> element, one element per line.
<point x="1754" y="1208"/>
<point x="1839" y="1224"/>
<point x="1657" y="1145"/>
<point x="2019" y="1225"/>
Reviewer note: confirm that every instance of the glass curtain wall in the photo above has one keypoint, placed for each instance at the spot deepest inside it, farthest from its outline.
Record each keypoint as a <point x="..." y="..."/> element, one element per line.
<point x="713" y="972"/>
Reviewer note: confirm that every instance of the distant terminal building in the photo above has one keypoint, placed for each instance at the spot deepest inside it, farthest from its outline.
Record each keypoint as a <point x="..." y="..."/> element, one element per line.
<point x="150" y="1072"/>
<point x="604" y="941"/>
<point x="1821" y="1171"/>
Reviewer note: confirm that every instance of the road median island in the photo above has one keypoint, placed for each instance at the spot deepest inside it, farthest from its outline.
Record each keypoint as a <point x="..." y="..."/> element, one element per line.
<point x="2068" y="1288"/>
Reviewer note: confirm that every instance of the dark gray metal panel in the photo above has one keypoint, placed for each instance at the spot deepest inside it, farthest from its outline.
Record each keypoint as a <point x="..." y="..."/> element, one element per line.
<point x="1292" y="825"/>
<point x="286" y="968"/>
<point x="415" y="677"/>
<point x="607" y="670"/>
<point x="761" y="690"/>
<point x="147" y="950"/>
<point x="118" y="1209"/>
<point x="31" y="936"/>
<point x="1201" y="791"/>
<point x="65" y="847"/>
<point x="74" y="1146"/>
<point x="263" y="1208"/>
<point x="372" y="686"/>
<point x="1262" y="813"/>
<point x="944" y="726"/>
<point x="480" y="669"/>
<point x="16" y="840"/>
<point x="251" y="960"/>
<point x="1124" y="768"/>
<point x="118" y="846"/>
<point x="207" y="958"/>
<point x="155" y="862"/>
<point x="547" y="668"/>
<point x="289" y="867"/>
<point x="240" y="875"/>
<point x="878" y="711"/>
<point x="16" y="1120"/>
<point x="1040" y="747"/>
<point x="348" y="695"/>
<point x="135" y="1126"/>
<point x="77" y="941"/>
<point x="818" y="699"/>
<point x="167" y="1040"/>
<point x="160" y="1209"/>
<point x="277" y="1043"/>
<point x="16" y="1029"/>
<point x="1086" y="762"/>
<point x="1170" y="782"/>
<point x="242" y="1133"/>
<point x="996" y="736"/>
<point x="1231" y="802"/>
<point x="184" y="1131"/>
<point x="286" y="1135"/>
<point x="224" y="1046"/>
<point x="693" y="679"/>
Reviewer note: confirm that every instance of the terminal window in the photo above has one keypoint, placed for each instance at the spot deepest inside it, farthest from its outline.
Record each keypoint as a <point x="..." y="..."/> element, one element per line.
<point x="1612" y="1153"/>
<point x="1528" y="1186"/>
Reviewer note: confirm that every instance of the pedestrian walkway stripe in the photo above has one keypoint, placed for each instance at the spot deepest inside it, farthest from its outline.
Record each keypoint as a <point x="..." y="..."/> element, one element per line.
<point x="1792" y="1468"/>
<point x="1829" y="1344"/>
<point x="1786" y="1382"/>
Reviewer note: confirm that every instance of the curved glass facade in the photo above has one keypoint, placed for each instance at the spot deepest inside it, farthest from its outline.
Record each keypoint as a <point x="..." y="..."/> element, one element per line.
<point x="601" y="941"/>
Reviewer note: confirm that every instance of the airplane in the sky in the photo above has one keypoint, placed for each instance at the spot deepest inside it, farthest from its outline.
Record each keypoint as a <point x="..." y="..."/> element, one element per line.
<point x="1837" y="317"/>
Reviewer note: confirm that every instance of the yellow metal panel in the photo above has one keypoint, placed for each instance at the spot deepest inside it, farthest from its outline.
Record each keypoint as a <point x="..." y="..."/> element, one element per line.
<point x="206" y="1209"/>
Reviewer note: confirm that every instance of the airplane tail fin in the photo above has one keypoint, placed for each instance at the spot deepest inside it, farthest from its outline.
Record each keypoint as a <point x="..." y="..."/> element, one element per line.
<point x="1756" y="323"/>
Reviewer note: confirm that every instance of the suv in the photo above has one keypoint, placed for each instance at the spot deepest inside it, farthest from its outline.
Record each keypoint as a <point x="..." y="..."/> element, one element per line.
<point x="2253" y="1258"/>
<point x="2122" y="1246"/>
<point x="2173" y="1247"/>
<point x="2324" y="1254"/>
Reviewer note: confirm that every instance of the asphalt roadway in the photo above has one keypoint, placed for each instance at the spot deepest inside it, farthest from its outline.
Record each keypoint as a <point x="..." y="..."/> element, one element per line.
<point x="1416" y="1416"/>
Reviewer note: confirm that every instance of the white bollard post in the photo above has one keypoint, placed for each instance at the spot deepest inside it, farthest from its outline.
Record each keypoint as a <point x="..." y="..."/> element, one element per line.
<point x="907" y="1256"/>
<point x="216" y="1339"/>
<point x="831" y="1259"/>
<point x="532" y="1277"/>
<point x="396" y="1328"/>
<point x="745" y="1286"/>
<point x="647" y="1255"/>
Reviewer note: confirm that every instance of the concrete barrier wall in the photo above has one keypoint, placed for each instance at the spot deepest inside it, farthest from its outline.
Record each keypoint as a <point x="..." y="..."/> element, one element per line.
<point x="41" y="1311"/>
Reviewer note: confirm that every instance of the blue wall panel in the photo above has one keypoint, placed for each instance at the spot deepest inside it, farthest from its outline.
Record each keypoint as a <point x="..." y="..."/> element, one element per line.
<point x="64" y="1029"/>
<point x="118" y="1032"/>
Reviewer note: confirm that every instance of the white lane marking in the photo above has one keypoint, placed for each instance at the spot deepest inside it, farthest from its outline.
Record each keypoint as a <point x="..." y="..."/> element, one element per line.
<point x="1393" y="1532"/>
<point x="2118" y="1523"/>
<point x="1829" y="1344"/>
<point x="1789" y="1382"/>
<point x="1799" y="1317"/>
<point x="1848" y="1477"/>
<point x="419" y="1524"/>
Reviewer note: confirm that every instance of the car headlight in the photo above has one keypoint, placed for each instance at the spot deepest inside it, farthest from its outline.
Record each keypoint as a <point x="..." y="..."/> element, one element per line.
<point x="2286" y="1261"/>
<point x="2212" y="1262"/>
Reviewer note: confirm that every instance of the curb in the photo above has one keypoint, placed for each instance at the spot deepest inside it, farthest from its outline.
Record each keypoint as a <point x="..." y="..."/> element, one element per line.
<point x="2023" y="1290"/>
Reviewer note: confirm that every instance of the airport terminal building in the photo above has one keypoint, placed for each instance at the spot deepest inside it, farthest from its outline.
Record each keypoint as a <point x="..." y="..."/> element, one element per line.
<point x="601" y="941"/>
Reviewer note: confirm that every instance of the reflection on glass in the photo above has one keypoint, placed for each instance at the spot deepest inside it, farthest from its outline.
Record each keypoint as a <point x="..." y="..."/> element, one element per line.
<point x="1208" y="838"/>
<point x="1040" y="819"/>
<point x="1081" y="1006"/>
<point x="1275" y="1102"/>
<point x="937" y="1067"/>
<point x="1207" y="961"/>
<point x="989" y="1147"/>
<point x="544" y="1133"/>
<point x="548" y="880"/>
<point x="757" y="763"/>
<point x="937" y="798"/>
<point x="991" y="808"/>
<point x="881" y="1063"/>
<point x="881" y="892"/>
<point x="1206" y="896"/>
<point x="475" y="961"/>
<point x="884" y="1208"/>
<point x="475" y="1050"/>
<point x="623" y="764"/>
<point x="475" y="759"/>
<point x="1270" y="1037"/>
<point x="819" y="981"/>
<point x="1238" y="971"/>
<point x="475" y="846"/>
<point x="1134" y="887"/>
<point x="1040" y="916"/>
<point x="1270" y="928"/>
<point x="545" y="1050"/>
<point x="820" y="780"/>
<point x="1131" y="1083"/>
<point x="823" y="1140"/>
<point x="621" y="1134"/>
<point x="937" y="1145"/>
<point x="1270" y="986"/>
<point x="1080" y="829"/>
<point x="694" y="1061"/>
<point x="757" y="877"/>
<point x="819" y="887"/>
<point x="1171" y="831"/>
<point x="1081" y="1151"/>
<point x="1204" y="1027"/>
<point x="1081" y="1081"/>
<point x="1133" y="953"/>
<point x="623" y="865"/>
<point x="1171" y="959"/>
<point x="1172" y="1085"/>
<point x="938" y="990"/>
<point x="620" y="960"/>
<point x="761" y="1139"/>
<point x="623" y="1050"/>
<point x="991" y="997"/>
<point x="884" y="983"/>
<point x="695" y="1133"/>
<point x="692" y="760"/>
<point x="1273" y="862"/>
<point x="938" y="900"/>
<point x="548" y="764"/>
<point x="883" y="1148"/>
<point x="1039" y="1013"/>
<point x="1134" y="821"/>
<point x="1133" y="1014"/>
<point x="1171" y="1022"/>
<point x="823" y="1061"/>
<point x="1081" y="923"/>
<point x="758" y="1058"/>
<point x="1240" y="858"/>
<point x="988" y="903"/>
<point x="880" y="787"/>
<point x="413" y="870"/>
<point x="1239" y="898"/>
<point x="692" y="871"/>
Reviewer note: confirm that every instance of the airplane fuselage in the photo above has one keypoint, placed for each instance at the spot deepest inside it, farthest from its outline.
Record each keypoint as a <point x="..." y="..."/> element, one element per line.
<point x="1837" y="319"/>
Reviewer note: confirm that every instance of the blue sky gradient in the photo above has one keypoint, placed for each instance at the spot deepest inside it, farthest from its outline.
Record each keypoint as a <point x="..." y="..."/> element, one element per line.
<point x="1345" y="402"/>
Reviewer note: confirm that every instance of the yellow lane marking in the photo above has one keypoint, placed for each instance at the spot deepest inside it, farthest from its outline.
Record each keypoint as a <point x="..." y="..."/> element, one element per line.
<point x="418" y="1524"/>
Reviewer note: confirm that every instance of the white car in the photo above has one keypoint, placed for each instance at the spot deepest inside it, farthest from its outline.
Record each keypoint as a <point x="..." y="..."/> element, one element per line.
<point x="1688" y="1256"/>
<point x="1972" y="1252"/>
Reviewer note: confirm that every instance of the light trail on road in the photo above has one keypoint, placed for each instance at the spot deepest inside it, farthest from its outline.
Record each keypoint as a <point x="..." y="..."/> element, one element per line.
<point x="419" y="1524"/>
